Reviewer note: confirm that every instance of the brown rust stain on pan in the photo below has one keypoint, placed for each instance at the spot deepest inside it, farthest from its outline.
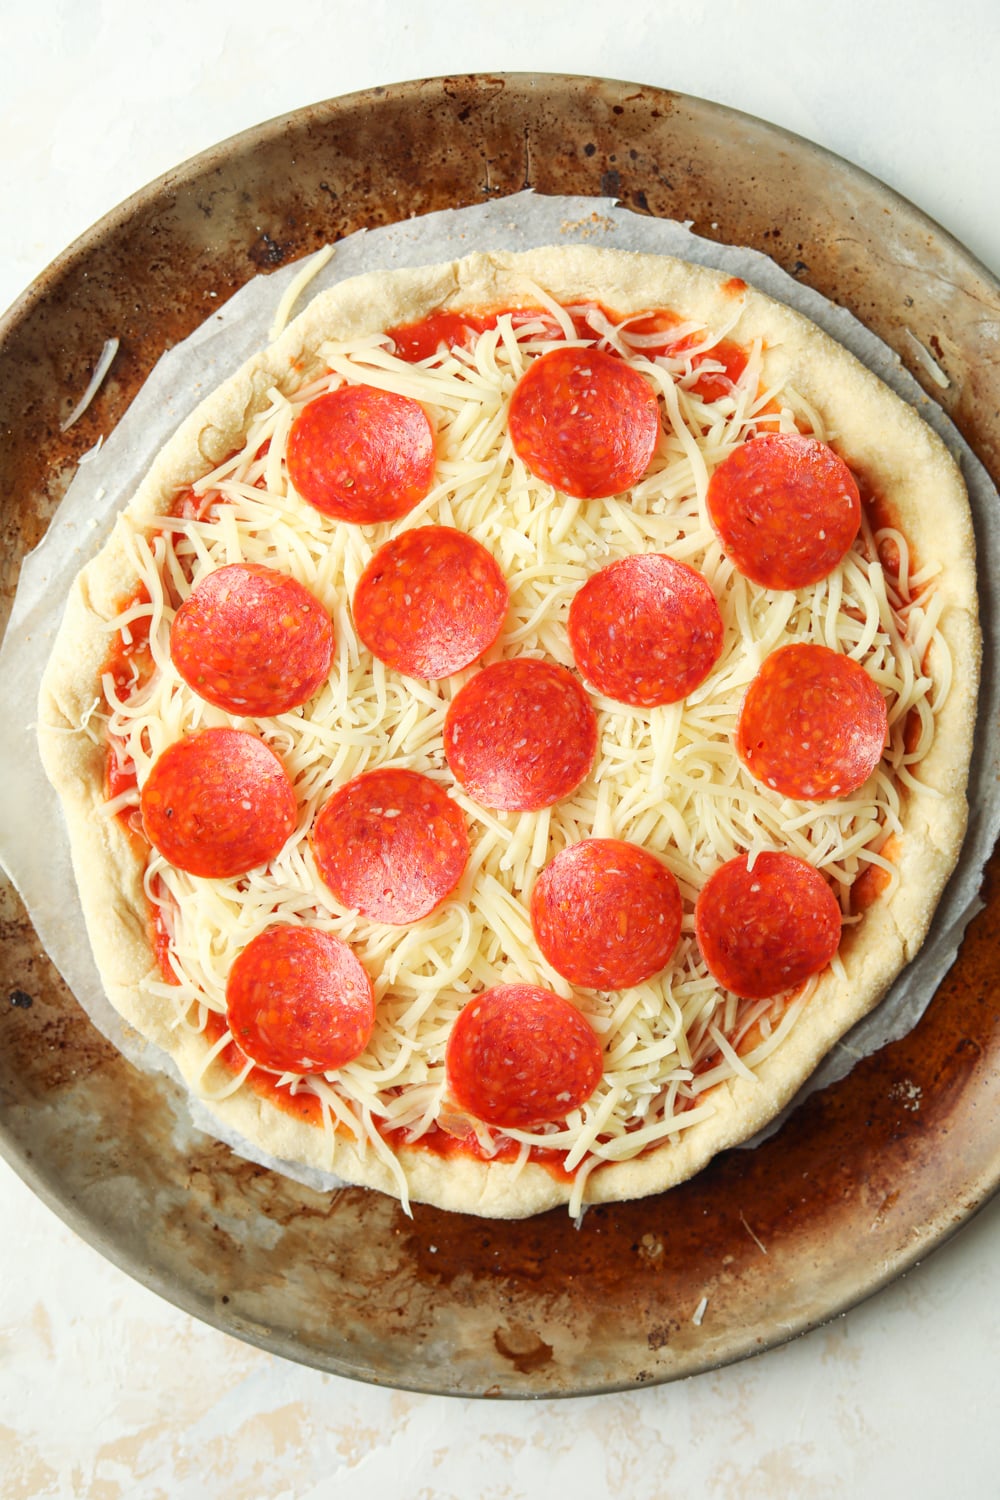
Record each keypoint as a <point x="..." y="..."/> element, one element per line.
<point x="869" y="1174"/>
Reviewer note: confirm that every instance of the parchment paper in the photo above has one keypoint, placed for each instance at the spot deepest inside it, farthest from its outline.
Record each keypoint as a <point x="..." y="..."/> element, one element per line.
<point x="34" y="847"/>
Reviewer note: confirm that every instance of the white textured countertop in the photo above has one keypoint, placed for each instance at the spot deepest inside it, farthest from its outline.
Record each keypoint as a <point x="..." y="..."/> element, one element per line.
<point x="105" y="1390"/>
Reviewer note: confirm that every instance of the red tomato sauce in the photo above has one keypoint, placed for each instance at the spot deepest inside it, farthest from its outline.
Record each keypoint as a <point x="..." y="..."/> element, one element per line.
<point x="159" y="933"/>
<point x="190" y="506"/>
<point x="880" y="517"/>
<point x="873" y="880"/>
<point x="303" y="1106"/>
<point x="443" y="330"/>
<point x="119" y="772"/>
<point x="450" y="330"/>
<point x="447" y="1147"/>
<point x="715" y="383"/>
<point x="129" y="664"/>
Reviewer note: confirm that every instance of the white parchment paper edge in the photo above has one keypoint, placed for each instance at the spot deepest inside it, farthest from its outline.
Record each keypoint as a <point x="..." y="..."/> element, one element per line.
<point x="34" y="848"/>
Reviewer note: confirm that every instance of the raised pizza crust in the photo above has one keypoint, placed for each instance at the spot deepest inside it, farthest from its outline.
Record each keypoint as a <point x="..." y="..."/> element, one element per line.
<point x="882" y="438"/>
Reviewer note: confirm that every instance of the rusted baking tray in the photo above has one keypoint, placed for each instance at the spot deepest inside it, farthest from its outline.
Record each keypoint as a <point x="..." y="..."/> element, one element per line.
<point x="859" y="1184"/>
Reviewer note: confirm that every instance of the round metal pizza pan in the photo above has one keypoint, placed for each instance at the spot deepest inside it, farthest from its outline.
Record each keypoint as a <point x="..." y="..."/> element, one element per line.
<point x="870" y="1174"/>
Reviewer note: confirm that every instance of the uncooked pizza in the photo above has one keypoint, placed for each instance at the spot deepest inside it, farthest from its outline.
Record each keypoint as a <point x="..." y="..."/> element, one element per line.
<point x="520" y="722"/>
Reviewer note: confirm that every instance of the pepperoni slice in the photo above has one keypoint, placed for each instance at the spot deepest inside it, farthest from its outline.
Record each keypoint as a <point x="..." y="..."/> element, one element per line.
<point x="218" y="803"/>
<point x="430" y="602"/>
<point x="812" y="724"/>
<point x="520" y="1056"/>
<point x="584" y="422"/>
<point x="766" y="929"/>
<point x="786" y="508"/>
<point x="360" y="454"/>
<point x="606" y="914"/>
<point x="645" y="630"/>
<point x="252" y="640"/>
<point x="391" y="844"/>
<point x="299" y="1001"/>
<point x="520" y="735"/>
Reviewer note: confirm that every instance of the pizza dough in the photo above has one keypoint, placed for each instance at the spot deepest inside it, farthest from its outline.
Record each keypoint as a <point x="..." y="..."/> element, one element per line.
<point x="688" y="1069"/>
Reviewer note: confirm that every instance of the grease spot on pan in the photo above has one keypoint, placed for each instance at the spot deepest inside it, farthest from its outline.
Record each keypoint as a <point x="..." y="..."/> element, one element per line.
<point x="523" y="1347"/>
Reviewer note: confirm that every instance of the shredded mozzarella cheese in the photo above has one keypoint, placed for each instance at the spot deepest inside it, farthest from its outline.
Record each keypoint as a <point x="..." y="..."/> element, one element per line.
<point x="97" y="379"/>
<point x="296" y="287"/>
<point x="666" y="777"/>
